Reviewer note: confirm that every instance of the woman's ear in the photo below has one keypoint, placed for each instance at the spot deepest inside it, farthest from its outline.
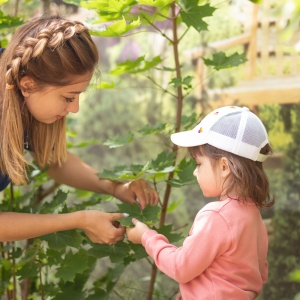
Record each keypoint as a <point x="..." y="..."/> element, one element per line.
<point x="225" y="170"/>
<point x="27" y="85"/>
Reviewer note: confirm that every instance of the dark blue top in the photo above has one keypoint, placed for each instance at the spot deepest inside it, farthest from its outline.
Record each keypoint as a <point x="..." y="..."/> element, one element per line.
<point x="4" y="179"/>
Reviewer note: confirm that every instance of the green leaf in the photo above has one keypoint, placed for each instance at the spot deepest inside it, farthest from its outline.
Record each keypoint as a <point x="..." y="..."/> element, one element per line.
<point x="152" y="129"/>
<point x="151" y="16"/>
<point x="109" y="10"/>
<point x="3" y="1"/>
<point x="74" y="2"/>
<point x="174" y="205"/>
<point x="118" y="28"/>
<point x="149" y="215"/>
<point x="221" y="61"/>
<point x="185" y="82"/>
<point x="166" y="230"/>
<point x="119" y="140"/>
<point x="71" y="290"/>
<point x="124" y="172"/>
<point x="164" y="163"/>
<point x="189" y="122"/>
<point x="139" y="251"/>
<point x="8" y="21"/>
<point x="28" y="271"/>
<point x="83" y="144"/>
<point x="137" y="66"/>
<point x="116" y="252"/>
<point x="156" y="3"/>
<point x="295" y="276"/>
<point x="61" y="240"/>
<point x="193" y="15"/>
<point x="72" y="264"/>
<point x="57" y="203"/>
<point x="106" y="85"/>
<point x="184" y="172"/>
<point x="256" y="1"/>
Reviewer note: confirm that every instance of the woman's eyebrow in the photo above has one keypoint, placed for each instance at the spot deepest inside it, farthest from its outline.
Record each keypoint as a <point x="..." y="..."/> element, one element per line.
<point x="77" y="92"/>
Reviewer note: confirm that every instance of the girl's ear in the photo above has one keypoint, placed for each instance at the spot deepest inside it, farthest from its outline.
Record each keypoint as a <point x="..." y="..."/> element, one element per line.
<point x="26" y="84"/>
<point x="225" y="170"/>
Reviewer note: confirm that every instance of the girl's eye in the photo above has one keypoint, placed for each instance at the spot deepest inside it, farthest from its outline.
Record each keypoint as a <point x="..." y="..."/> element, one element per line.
<point x="69" y="100"/>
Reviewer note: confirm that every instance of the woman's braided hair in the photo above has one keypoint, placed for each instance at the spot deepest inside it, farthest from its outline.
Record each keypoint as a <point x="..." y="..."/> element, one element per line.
<point x="52" y="51"/>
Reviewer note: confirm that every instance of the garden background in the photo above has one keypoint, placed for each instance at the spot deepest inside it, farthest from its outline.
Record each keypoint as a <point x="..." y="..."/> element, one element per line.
<point x="163" y="64"/>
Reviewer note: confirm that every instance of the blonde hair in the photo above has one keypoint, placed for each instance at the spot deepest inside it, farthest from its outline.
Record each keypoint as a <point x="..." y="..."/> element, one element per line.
<point x="51" y="50"/>
<point x="247" y="177"/>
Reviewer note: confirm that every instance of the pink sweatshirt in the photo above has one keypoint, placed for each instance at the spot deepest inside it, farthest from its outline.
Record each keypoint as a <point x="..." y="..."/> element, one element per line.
<point x="223" y="258"/>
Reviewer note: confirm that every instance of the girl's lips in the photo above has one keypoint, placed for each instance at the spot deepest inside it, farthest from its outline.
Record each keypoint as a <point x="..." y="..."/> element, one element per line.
<point x="58" y="117"/>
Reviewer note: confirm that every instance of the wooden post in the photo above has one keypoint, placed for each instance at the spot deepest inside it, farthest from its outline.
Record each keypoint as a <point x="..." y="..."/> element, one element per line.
<point x="252" y="50"/>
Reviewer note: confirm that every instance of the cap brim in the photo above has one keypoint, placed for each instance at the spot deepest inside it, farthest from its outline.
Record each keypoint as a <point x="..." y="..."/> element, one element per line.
<point x="187" y="139"/>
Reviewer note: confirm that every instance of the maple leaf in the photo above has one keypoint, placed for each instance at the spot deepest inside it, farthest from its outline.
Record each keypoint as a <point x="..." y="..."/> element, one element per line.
<point x="192" y="14"/>
<point x="149" y="215"/>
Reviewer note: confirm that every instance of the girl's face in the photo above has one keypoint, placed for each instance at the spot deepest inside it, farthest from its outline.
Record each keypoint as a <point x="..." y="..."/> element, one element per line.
<point x="55" y="102"/>
<point x="210" y="179"/>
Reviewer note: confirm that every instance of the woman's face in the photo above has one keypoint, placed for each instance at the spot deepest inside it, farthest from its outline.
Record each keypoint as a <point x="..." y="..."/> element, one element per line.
<point x="54" y="102"/>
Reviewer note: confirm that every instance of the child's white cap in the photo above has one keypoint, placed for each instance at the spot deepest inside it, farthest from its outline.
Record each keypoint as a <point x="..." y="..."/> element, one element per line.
<point x="230" y="128"/>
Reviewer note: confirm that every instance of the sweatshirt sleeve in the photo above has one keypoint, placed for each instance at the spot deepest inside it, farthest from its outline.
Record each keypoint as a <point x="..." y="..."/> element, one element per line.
<point x="209" y="238"/>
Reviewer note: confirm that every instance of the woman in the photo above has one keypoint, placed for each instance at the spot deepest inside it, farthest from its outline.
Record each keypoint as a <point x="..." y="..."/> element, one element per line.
<point x="48" y="63"/>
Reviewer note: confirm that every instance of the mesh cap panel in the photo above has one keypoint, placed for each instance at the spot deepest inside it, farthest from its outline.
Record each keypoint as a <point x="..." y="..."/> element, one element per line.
<point x="228" y="125"/>
<point x="254" y="133"/>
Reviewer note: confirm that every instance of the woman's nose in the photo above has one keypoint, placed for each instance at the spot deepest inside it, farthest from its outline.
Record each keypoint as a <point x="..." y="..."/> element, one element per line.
<point x="73" y="107"/>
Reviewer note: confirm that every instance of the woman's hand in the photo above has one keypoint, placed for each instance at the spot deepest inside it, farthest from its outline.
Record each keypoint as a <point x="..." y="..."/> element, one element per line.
<point x="101" y="227"/>
<point x="76" y="173"/>
<point x="134" y="234"/>
<point x="138" y="191"/>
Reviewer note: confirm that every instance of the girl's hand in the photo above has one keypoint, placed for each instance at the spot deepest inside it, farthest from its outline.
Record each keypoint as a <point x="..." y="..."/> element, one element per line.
<point x="178" y="296"/>
<point x="138" y="191"/>
<point x="135" y="234"/>
<point x="101" y="227"/>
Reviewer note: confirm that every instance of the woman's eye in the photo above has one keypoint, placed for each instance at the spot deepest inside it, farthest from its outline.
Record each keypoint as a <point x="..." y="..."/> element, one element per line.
<point x="69" y="100"/>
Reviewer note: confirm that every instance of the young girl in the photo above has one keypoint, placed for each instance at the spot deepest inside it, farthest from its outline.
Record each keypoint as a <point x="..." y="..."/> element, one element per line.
<point x="48" y="63"/>
<point x="225" y="255"/>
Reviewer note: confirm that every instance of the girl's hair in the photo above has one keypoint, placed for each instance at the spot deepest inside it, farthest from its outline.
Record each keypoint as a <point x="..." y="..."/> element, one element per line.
<point x="246" y="177"/>
<point x="51" y="50"/>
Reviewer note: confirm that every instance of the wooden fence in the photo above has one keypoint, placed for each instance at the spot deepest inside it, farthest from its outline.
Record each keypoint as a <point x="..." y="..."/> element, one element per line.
<point x="272" y="73"/>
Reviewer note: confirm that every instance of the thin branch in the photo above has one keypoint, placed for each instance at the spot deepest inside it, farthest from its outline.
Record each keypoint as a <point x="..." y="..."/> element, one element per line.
<point x="150" y="11"/>
<point x="16" y="8"/>
<point x="174" y="148"/>
<point x="185" y="32"/>
<point x="160" y="87"/>
<point x="156" y="28"/>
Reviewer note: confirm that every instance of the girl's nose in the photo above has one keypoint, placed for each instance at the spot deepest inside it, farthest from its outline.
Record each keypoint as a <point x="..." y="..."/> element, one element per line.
<point x="195" y="172"/>
<point x="73" y="107"/>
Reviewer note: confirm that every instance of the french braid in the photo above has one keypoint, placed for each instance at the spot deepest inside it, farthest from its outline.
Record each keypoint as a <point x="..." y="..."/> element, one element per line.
<point x="50" y="50"/>
<point x="51" y="37"/>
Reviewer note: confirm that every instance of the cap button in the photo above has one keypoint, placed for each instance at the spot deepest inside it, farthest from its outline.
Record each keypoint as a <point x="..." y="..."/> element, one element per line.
<point x="245" y="108"/>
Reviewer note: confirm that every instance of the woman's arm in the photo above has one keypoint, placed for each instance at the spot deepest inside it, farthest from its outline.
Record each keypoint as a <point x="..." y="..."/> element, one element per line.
<point x="97" y="225"/>
<point x="74" y="172"/>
